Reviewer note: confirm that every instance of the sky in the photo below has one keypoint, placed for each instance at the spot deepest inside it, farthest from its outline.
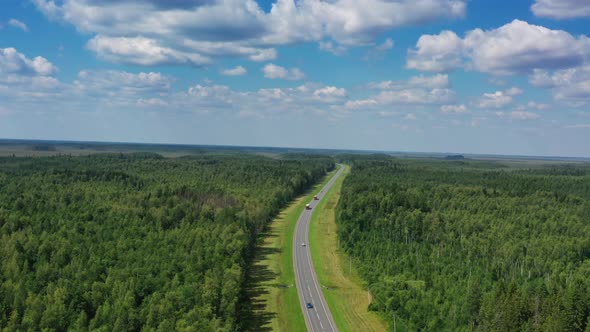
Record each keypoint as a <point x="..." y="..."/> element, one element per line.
<point x="455" y="76"/>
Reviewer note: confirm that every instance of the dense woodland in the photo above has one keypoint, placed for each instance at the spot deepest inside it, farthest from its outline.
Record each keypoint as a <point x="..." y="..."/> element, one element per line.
<point x="114" y="242"/>
<point x="470" y="246"/>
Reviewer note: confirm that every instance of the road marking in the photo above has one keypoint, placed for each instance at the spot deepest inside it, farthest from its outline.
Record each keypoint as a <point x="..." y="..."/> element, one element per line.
<point x="299" y="264"/>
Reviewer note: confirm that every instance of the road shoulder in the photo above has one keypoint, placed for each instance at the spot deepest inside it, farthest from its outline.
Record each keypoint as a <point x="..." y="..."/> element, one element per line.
<point x="347" y="298"/>
<point x="273" y="296"/>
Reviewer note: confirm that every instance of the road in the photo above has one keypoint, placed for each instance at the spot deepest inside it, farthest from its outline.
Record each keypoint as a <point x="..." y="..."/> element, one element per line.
<point x="319" y="317"/>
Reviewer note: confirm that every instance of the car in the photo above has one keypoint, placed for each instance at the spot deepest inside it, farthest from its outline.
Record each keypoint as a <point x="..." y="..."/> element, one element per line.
<point x="303" y="244"/>
<point x="309" y="305"/>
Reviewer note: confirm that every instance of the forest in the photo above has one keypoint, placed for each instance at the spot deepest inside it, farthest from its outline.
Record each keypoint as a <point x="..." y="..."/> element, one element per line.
<point x="453" y="245"/>
<point x="130" y="242"/>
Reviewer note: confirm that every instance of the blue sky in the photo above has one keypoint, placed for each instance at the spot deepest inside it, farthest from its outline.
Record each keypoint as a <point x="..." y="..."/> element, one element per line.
<point x="500" y="77"/>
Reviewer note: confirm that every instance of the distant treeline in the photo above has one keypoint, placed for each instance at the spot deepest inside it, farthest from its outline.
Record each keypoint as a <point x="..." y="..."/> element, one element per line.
<point x="43" y="147"/>
<point x="470" y="246"/>
<point x="136" y="242"/>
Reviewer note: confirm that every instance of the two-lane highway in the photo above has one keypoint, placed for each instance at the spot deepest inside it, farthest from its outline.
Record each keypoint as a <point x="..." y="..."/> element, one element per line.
<point x="314" y="306"/>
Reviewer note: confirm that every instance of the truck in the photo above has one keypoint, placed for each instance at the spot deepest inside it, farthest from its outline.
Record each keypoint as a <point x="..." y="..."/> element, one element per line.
<point x="307" y="207"/>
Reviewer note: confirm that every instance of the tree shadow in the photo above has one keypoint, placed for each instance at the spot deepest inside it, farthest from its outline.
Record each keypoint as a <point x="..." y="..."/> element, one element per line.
<point x="255" y="315"/>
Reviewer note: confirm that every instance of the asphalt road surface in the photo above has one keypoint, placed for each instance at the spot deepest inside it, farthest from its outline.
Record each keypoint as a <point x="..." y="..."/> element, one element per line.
<point x="318" y="318"/>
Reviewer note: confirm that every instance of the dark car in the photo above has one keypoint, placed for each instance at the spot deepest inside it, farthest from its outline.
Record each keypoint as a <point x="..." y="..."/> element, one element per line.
<point x="309" y="305"/>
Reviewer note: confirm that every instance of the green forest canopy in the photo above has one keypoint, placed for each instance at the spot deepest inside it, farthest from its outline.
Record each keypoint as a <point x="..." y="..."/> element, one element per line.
<point x="130" y="242"/>
<point x="470" y="246"/>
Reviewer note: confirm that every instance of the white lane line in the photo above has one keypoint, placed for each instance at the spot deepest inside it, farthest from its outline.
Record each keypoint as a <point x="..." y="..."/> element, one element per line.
<point x="303" y="226"/>
<point x="310" y="263"/>
<point x="296" y="261"/>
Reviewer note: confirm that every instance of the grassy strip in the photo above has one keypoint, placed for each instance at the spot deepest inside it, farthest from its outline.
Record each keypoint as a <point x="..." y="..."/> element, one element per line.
<point x="343" y="289"/>
<point x="276" y="302"/>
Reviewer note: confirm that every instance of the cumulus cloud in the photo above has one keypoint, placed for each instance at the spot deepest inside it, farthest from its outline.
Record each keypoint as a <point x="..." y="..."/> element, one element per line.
<point x="533" y="105"/>
<point x="141" y="51"/>
<point x="331" y="47"/>
<point x="436" y="53"/>
<point x="151" y="102"/>
<point x="330" y="94"/>
<point x="27" y="84"/>
<point x="410" y="116"/>
<point x="415" y="91"/>
<point x="498" y="99"/>
<point x="187" y="31"/>
<point x="438" y="81"/>
<point x="236" y="71"/>
<point x="18" y="24"/>
<point x="569" y="85"/>
<point x="353" y="22"/>
<point x="273" y="71"/>
<point x="261" y="55"/>
<point x="360" y="104"/>
<point x="518" y="115"/>
<point x="379" y="51"/>
<point x="121" y="82"/>
<point x="561" y="9"/>
<point x="513" y="91"/>
<point x="449" y="109"/>
<point x="517" y="47"/>
<point x="13" y="62"/>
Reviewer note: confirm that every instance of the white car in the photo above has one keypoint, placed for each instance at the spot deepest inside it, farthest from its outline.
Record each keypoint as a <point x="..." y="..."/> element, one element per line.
<point x="303" y="244"/>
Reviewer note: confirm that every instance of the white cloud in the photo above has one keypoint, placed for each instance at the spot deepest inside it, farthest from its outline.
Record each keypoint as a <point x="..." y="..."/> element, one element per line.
<point x="386" y="45"/>
<point x="331" y="47"/>
<point x="24" y="86"/>
<point x="498" y="99"/>
<point x="330" y="94"/>
<point x="151" y="102"/>
<point x="523" y="115"/>
<point x="273" y="71"/>
<point x="513" y="91"/>
<point x="415" y="96"/>
<point x="330" y="91"/>
<point x="436" y="53"/>
<point x="561" y="9"/>
<point x="13" y="62"/>
<point x="360" y="104"/>
<point x="532" y="105"/>
<point x="440" y="81"/>
<point x="186" y="32"/>
<point x="18" y="24"/>
<point x="352" y="22"/>
<point x="237" y="71"/>
<point x="379" y="51"/>
<point x="569" y="85"/>
<point x="410" y="116"/>
<point x="264" y="55"/>
<point x="120" y="82"/>
<point x="447" y="109"/>
<point x="141" y="51"/>
<point x="516" y="47"/>
<point x="416" y="91"/>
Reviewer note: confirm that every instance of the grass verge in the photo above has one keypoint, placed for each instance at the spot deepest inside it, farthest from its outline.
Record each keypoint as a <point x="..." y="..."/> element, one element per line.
<point x="342" y="287"/>
<point x="274" y="299"/>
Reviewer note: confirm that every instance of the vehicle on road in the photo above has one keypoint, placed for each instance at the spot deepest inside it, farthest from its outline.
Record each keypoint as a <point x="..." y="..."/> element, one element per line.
<point x="316" y="198"/>
<point x="309" y="305"/>
<point x="303" y="244"/>
<point x="307" y="207"/>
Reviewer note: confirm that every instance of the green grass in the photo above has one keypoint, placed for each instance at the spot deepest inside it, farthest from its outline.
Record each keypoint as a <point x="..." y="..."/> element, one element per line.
<point x="277" y="300"/>
<point x="343" y="289"/>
